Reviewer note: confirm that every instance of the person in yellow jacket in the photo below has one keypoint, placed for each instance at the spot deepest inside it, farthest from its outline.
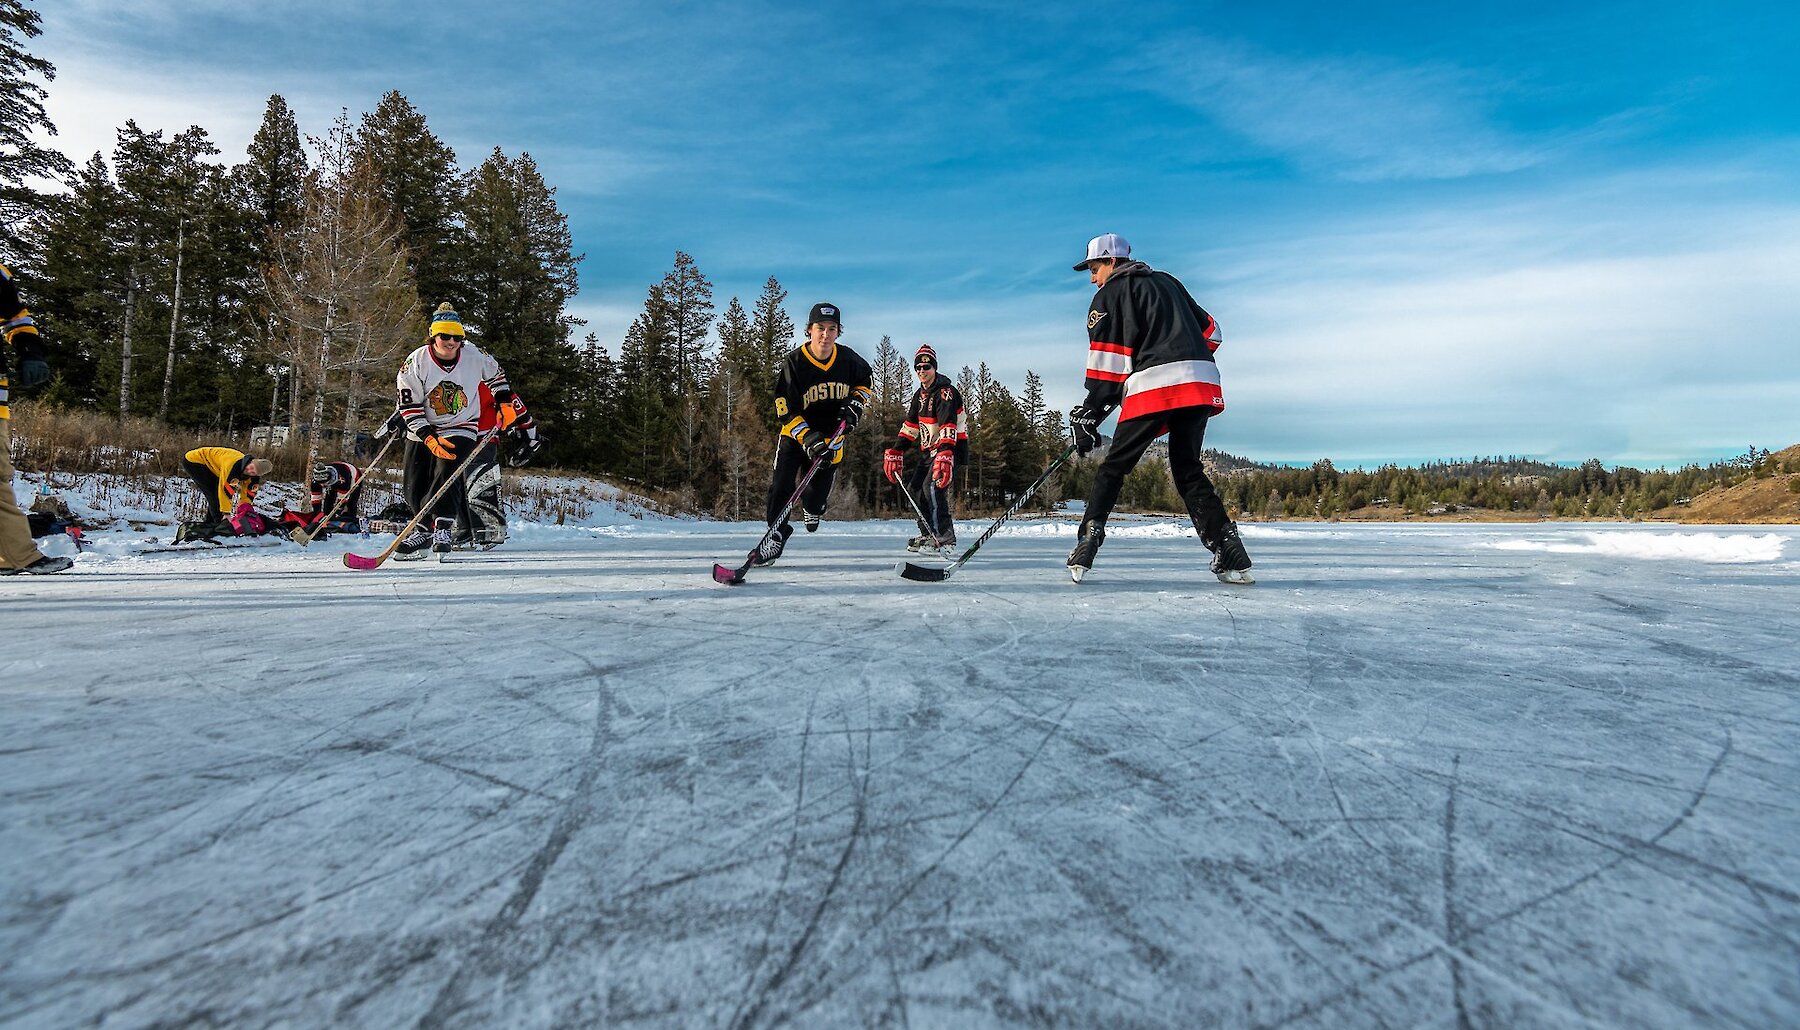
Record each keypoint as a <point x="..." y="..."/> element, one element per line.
<point x="227" y="478"/>
<point x="18" y="552"/>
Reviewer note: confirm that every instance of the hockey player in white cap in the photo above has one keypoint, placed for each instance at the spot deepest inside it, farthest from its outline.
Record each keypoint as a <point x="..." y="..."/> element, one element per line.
<point x="1150" y="357"/>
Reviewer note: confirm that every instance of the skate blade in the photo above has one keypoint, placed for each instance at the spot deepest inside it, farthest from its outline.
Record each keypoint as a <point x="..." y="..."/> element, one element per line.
<point x="1237" y="577"/>
<point x="1076" y="572"/>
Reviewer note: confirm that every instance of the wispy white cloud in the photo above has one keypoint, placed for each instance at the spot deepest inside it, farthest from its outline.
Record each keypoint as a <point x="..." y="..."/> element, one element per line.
<point x="1359" y="117"/>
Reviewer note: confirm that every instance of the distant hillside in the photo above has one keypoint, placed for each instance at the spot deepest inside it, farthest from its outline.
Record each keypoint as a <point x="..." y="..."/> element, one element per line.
<point x="1774" y="498"/>
<point x="1228" y="464"/>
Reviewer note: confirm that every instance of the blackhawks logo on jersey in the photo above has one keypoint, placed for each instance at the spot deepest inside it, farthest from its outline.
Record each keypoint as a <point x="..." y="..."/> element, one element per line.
<point x="447" y="398"/>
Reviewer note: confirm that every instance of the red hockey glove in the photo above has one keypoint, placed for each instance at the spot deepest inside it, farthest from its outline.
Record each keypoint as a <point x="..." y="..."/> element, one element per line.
<point x="437" y="445"/>
<point x="943" y="467"/>
<point x="892" y="462"/>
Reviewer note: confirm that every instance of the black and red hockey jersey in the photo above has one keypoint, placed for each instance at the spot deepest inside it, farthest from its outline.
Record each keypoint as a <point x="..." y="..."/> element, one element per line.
<point x="935" y="419"/>
<point x="1150" y="347"/>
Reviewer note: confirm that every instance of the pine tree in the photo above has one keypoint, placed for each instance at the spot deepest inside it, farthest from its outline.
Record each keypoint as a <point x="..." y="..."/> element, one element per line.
<point x="735" y="414"/>
<point x="419" y="180"/>
<point x="272" y="181"/>
<point x="644" y="419"/>
<point x="773" y="332"/>
<point x="892" y="374"/>
<point x="520" y="275"/>
<point x="194" y="187"/>
<point x="677" y="318"/>
<point x="22" y="115"/>
<point x="273" y="175"/>
<point x="140" y="158"/>
<point x="82" y="295"/>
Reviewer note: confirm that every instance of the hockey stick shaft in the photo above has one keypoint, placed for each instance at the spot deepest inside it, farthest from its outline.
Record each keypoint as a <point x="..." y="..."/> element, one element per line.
<point x="357" y="561"/>
<point x="920" y="512"/>
<point x="1024" y="496"/>
<point x="304" y="537"/>
<point x="737" y="575"/>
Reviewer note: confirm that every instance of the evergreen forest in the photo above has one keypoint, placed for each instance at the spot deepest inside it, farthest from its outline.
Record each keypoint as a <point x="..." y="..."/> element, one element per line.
<point x="215" y="293"/>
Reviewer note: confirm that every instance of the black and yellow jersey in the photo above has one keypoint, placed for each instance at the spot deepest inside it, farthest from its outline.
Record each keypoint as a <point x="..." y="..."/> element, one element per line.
<point x="19" y="330"/>
<point x="812" y="393"/>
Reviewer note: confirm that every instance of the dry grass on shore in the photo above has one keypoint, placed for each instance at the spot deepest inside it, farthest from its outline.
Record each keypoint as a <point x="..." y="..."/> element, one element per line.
<point x="47" y="438"/>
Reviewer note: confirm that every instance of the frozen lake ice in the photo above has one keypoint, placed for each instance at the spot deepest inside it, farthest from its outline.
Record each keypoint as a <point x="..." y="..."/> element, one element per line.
<point x="1436" y="775"/>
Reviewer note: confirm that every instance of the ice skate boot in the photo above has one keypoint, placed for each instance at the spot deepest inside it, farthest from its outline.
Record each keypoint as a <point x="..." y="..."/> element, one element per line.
<point x="415" y="547"/>
<point x="1087" y="544"/>
<point x="810" y="520"/>
<point x="772" y="547"/>
<point x="1230" y="562"/>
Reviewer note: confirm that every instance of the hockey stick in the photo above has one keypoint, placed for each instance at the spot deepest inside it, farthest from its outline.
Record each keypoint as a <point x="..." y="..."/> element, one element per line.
<point x="920" y="512"/>
<point x="357" y="561"/>
<point x="924" y="574"/>
<point x="732" y="577"/>
<point x="304" y="537"/>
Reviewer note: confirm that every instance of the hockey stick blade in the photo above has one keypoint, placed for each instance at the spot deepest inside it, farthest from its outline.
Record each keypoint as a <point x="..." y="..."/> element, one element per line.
<point x="352" y="560"/>
<point x="732" y="577"/>
<point x="922" y="573"/>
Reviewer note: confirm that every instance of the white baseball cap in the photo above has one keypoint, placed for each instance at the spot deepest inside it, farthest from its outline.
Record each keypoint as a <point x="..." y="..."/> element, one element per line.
<point x="1105" y="245"/>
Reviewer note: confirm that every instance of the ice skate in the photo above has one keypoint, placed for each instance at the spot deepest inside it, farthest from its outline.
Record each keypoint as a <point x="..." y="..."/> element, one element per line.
<point x="771" y="548"/>
<point x="1230" y="562"/>
<point x="415" y="547"/>
<point x="1081" y="559"/>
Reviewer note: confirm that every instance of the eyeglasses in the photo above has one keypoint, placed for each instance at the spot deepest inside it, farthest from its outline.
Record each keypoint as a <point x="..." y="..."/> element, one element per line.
<point x="925" y="367"/>
<point x="447" y="339"/>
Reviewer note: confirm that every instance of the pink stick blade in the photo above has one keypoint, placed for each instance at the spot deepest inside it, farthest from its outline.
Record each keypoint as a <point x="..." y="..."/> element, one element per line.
<point x="721" y="574"/>
<point x="357" y="561"/>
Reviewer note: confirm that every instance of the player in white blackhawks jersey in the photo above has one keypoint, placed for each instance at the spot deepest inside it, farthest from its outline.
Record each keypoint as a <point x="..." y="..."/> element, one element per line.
<point x="442" y="388"/>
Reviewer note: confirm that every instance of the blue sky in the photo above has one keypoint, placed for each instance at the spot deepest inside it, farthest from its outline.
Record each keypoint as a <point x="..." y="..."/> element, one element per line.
<point x="1427" y="230"/>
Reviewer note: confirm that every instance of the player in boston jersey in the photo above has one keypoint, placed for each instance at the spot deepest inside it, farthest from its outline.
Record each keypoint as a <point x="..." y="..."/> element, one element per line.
<point x="818" y="385"/>
<point x="442" y="388"/>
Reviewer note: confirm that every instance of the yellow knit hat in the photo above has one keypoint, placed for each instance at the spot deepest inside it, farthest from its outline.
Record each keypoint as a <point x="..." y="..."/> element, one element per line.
<point x="446" y="322"/>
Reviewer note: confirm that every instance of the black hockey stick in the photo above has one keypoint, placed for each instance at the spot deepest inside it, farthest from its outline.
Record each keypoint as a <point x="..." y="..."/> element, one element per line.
<point x="926" y="574"/>
<point x="730" y="576"/>
<point x="920" y="512"/>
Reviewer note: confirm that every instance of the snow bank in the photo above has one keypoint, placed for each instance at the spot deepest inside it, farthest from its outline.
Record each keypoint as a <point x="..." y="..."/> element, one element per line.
<point x="1717" y="548"/>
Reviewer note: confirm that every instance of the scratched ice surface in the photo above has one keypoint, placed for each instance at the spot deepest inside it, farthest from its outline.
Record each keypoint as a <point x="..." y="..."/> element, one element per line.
<point x="1419" y="776"/>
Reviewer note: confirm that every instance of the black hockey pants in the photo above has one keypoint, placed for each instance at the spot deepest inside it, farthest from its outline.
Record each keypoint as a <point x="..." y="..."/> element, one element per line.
<point x="790" y="464"/>
<point x="208" y="482"/>
<point x="1187" y="433"/>
<point x="933" y="500"/>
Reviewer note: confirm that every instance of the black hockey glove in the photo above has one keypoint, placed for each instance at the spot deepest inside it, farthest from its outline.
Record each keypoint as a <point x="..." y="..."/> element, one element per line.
<point x="33" y="372"/>
<point x="1084" y="427"/>
<point x="518" y="446"/>
<point x="853" y="412"/>
<point x="393" y="422"/>
<point x="814" y="443"/>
